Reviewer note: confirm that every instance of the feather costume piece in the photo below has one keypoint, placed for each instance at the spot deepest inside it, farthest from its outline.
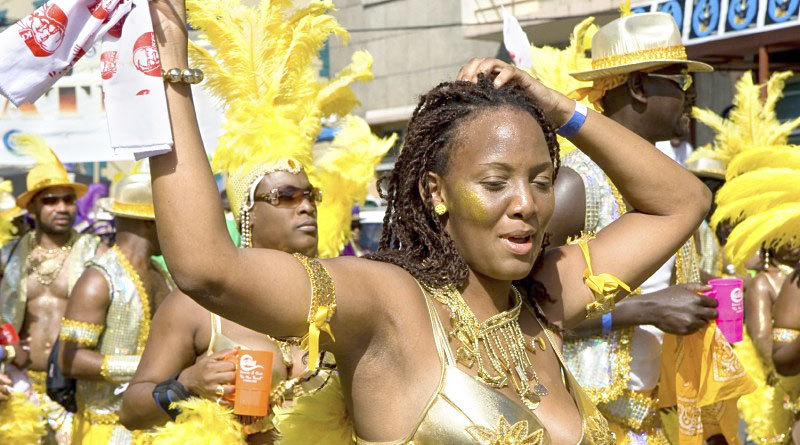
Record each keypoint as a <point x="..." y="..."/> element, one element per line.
<point x="751" y="123"/>
<point x="761" y="197"/>
<point x="21" y="421"/>
<point x="8" y="211"/>
<point x="262" y="69"/>
<point x="552" y="66"/>
<point x="201" y="422"/>
<point x="346" y="168"/>
<point x="316" y="420"/>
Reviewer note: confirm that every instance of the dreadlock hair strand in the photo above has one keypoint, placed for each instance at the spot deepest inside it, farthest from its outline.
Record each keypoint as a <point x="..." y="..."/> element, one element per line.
<point x="413" y="235"/>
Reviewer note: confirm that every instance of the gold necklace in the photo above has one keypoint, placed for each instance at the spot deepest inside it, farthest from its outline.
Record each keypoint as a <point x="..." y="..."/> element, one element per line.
<point x="144" y="298"/>
<point x="45" y="264"/>
<point x="500" y="336"/>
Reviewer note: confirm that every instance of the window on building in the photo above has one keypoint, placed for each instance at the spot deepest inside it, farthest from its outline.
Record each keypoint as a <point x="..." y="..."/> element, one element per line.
<point x="789" y="106"/>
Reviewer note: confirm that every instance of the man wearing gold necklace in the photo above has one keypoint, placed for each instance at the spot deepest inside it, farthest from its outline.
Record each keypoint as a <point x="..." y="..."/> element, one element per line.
<point x="105" y="327"/>
<point x="38" y="272"/>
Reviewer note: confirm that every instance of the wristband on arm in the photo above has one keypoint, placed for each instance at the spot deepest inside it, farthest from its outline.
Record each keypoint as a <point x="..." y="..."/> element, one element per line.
<point x="168" y="392"/>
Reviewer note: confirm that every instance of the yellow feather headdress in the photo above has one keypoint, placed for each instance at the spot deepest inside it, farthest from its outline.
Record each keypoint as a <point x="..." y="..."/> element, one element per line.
<point x="552" y="66"/>
<point x="761" y="197"/>
<point x="263" y="71"/>
<point x="344" y="172"/>
<point x="751" y="122"/>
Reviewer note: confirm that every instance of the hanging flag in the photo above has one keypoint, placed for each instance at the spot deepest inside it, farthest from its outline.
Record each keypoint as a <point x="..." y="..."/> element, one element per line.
<point x="516" y="41"/>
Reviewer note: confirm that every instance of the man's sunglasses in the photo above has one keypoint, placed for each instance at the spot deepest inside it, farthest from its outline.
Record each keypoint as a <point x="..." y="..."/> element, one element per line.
<point x="289" y="196"/>
<point x="683" y="80"/>
<point x="53" y="200"/>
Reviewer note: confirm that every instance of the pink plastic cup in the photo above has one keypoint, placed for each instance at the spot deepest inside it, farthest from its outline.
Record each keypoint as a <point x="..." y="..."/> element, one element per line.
<point x="730" y="299"/>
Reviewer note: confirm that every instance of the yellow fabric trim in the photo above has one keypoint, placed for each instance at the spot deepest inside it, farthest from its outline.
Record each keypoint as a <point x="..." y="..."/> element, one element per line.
<point x="598" y="89"/>
<point x="80" y="332"/>
<point x="323" y="307"/>
<point x="141" y="210"/>
<point x="784" y="335"/>
<point x="605" y="287"/>
<point x="633" y="409"/>
<point x="677" y="52"/>
<point x="144" y="299"/>
<point x="101" y="419"/>
<point x="119" y="368"/>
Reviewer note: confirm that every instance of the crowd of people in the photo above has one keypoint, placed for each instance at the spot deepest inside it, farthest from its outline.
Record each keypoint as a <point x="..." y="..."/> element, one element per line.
<point x="545" y="275"/>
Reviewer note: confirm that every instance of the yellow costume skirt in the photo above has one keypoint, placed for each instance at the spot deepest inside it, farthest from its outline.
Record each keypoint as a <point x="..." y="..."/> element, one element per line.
<point x="104" y="429"/>
<point x="768" y="422"/>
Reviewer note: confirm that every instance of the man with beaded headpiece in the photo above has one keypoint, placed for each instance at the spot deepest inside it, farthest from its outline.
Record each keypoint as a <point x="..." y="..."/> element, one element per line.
<point x="40" y="269"/>
<point x="107" y="321"/>
<point x="759" y="200"/>
<point x="284" y="195"/>
<point x="639" y="76"/>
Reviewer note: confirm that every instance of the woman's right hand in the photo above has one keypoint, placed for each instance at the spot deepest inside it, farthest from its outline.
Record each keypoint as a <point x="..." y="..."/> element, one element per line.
<point x="5" y="387"/>
<point x="208" y="373"/>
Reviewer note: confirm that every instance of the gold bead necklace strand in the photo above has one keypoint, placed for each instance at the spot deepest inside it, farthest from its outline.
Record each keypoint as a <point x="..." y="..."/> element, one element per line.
<point x="500" y="336"/>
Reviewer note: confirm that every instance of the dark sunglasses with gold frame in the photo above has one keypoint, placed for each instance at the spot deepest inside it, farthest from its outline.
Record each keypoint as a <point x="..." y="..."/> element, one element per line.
<point x="289" y="196"/>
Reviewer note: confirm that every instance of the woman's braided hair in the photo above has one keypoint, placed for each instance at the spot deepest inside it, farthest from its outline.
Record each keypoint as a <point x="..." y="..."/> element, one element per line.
<point x="413" y="236"/>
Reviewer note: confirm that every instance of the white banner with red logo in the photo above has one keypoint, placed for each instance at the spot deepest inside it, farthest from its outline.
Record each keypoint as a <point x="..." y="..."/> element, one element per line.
<point x="39" y="49"/>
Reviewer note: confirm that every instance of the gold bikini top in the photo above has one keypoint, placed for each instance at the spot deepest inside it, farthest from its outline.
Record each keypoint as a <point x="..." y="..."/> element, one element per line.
<point x="464" y="411"/>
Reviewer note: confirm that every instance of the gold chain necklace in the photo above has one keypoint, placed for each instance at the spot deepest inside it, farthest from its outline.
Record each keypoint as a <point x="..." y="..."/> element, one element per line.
<point x="45" y="264"/>
<point x="144" y="298"/>
<point x="500" y="336"/>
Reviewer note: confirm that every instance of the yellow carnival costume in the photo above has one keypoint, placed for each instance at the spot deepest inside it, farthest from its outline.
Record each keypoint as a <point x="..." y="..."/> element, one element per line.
<point x="761" y="200"/>
<point x="123" y="335"/>
<point x="603" y="364"/>
<point x="8" y="212"/>
<point x="274" y="110"/>
<point x="17" y="272"/>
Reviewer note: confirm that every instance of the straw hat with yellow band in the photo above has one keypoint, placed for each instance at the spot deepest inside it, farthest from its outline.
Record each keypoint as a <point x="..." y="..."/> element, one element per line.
<point x="48" y="171"/>
<point x="132" y="197"/>
<point x="636" y="42"/>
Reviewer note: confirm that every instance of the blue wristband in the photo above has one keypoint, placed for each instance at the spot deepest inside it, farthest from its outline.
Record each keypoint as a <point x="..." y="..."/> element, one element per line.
<point x="574" y="123"/>
<point x="605" y="322"/>
<point x="2" y="354"/>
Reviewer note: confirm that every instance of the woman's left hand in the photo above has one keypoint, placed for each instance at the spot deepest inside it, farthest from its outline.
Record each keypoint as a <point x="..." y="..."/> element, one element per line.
<point x="557" y="107"/>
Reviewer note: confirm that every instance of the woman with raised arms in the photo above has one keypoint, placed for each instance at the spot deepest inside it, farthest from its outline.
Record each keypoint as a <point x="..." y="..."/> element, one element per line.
<point x="462" y="252"/>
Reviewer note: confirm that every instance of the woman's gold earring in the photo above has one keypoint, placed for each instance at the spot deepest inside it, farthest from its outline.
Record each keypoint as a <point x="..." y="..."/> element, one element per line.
<point x="440" y="209"/>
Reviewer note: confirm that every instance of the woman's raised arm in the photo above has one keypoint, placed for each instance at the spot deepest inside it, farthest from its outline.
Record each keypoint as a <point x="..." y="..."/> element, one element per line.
<point x="670" y="202"/>
<point x="265" y="290"/>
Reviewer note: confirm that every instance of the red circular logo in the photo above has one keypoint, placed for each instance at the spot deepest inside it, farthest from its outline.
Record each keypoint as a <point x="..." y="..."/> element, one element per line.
<point x="108" y="64"/>
<point x="145" y="55"/>
<point x="100" y="9"/>
<point x="43" y="31"/>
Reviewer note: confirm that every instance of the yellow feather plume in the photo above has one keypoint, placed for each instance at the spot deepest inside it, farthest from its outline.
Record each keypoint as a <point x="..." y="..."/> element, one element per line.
<point x="625" y="8"/>
<point x="750" y="123"/>
<point x="779" y="156"/>
<point x="36" y="147"/>
<point x="777" y="227"/>
<point x="262" y="69"/>
<point x="319" y="419"/>
<point x="201" y="422"/>
<point x="344" y="172"/>
<point x="21" y="421"/>
<point x="755" y="192"/>
<point x="552" y="66"/>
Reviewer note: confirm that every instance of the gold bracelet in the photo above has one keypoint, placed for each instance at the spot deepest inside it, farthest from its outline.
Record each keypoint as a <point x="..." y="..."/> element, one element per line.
<point x="189" y="76"/>
<point x="80" y="332"/>
<point x="323" y="306"/>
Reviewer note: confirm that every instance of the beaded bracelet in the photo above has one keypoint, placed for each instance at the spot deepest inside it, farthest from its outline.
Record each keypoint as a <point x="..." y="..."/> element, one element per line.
<point x="188" y="76"/>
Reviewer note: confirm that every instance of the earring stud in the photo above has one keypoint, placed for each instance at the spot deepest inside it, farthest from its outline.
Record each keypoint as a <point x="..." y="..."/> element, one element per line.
<point x="440" y="209"/>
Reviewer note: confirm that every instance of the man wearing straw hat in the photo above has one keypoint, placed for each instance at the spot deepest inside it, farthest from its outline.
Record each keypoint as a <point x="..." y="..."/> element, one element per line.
<point x="39" y="270"/>
<point x="641" y="79"/>
<point x="107" y="322"/>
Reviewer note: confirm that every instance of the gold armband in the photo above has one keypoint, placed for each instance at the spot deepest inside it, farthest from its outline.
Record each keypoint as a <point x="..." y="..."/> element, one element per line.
<point x="80" y="332"/>
<point x="605" y="287"/>
<point x="784" y="335"/>
<point x="323" y="306"/>
<point x="119" y="368"/>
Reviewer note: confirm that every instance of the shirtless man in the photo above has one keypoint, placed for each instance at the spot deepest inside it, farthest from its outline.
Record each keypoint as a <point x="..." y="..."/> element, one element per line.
<point x="38" y="272"/>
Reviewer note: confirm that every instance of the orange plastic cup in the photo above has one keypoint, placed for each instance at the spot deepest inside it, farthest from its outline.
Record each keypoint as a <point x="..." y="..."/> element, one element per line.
<point x="253" y="382"/>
